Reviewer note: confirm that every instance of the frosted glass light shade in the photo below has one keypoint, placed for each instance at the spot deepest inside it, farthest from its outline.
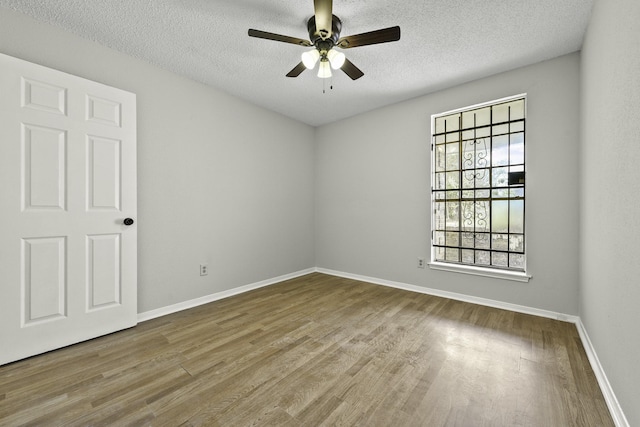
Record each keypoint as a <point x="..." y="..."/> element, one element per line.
<point x="336" y="58"/>
<point x="310" y="58"/>
<point x="324" y="71"/>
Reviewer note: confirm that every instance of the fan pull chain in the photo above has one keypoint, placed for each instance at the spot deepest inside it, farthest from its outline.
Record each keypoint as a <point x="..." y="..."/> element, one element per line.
<point x="324" y="84"/>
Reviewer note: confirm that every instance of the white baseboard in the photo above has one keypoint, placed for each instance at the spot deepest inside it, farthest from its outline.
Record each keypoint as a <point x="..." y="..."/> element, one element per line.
<point x="612" y="402"/>
<point x="455" y="296"/>
<point x="610" y="398"/>
<point x="174" y="308"/>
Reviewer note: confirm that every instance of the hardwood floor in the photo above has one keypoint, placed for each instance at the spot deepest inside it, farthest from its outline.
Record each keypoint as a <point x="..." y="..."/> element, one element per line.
<point x="316" y="350"/>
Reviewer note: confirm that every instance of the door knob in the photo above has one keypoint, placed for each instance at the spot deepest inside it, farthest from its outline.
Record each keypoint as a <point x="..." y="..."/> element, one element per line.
<point x="128" y="221"/>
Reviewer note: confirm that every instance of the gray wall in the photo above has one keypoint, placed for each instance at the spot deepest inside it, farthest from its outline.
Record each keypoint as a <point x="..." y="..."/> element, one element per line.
<point x="219" y="180"/>
<point x="610" y="195"/>
<point x="372" y="188"/>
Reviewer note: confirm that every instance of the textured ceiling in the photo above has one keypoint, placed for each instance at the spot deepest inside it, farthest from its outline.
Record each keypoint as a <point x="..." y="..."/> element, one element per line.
<point x="443" y="43"/>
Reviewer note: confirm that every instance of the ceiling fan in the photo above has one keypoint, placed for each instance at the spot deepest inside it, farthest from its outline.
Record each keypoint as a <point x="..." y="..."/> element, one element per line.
<point x="324" y="35"/>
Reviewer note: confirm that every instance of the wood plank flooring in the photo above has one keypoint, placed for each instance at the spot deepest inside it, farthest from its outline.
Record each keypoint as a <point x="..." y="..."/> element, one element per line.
<point x="316" y="350"/>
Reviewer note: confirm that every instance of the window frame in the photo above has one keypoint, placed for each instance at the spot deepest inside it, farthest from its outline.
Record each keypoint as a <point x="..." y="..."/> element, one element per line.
<point x="461" y="267"/>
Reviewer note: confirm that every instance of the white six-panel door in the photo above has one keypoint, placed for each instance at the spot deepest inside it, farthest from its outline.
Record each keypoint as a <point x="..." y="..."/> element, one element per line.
<point x="68" y="181"/>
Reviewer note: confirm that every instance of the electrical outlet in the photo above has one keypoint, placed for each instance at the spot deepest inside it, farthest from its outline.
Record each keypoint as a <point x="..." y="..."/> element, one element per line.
<point x="204" y="269"/>
<point x="420" y="262"/>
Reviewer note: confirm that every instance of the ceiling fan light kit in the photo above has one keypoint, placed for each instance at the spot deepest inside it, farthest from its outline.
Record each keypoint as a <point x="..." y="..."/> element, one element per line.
<point x="336" y="59"/>
<point x="324" y="70"/>
<point x="324" y="34"/>
<point x="310" y="58"/>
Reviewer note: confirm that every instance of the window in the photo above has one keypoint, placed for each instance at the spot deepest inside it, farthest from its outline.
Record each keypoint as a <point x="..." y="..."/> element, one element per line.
<point x="478" y="186"/>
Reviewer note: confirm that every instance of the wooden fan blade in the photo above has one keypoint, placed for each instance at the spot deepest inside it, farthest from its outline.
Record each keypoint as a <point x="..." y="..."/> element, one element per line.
<point x="351" y="70"/>
<point x="385" y="35"/>
<point x="297" y="70"/>
<point x="278" y="37"/>
<point x="324" y="16"/>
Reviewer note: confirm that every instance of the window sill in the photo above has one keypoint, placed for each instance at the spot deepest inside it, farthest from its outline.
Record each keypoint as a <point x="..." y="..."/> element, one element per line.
<point x="479" y="271"/>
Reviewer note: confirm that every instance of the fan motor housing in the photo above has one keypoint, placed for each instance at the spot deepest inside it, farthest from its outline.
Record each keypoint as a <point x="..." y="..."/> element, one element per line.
<point x="316" y="38"/>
